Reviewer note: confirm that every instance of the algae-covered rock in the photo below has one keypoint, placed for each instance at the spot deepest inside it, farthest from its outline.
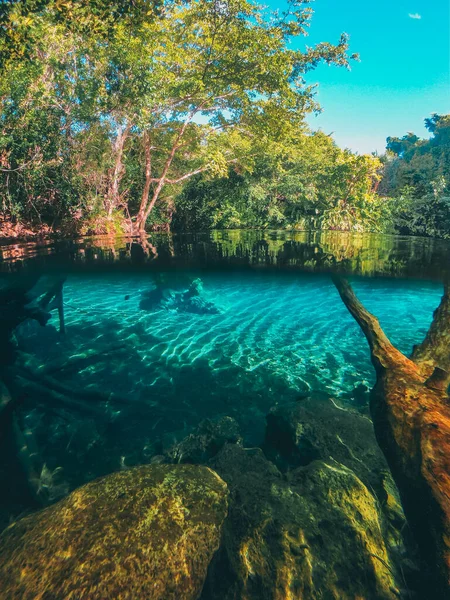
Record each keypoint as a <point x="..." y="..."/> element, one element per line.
<point x="315" y="533"/>
<point x="206" y="441"/>
<point x="189" y="300"/>
<point x="148" y="532"/>
<point x="319" y="428"/>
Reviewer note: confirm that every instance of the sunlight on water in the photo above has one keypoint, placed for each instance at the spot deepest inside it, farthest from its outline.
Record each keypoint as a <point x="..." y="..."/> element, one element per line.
<point x="280" y="334"/>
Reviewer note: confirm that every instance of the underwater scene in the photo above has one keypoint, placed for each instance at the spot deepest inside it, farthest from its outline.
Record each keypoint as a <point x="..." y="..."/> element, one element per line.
<point x="240" y="415"/>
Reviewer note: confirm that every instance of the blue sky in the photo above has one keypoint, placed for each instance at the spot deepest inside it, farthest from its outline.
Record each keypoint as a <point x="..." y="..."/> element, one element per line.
<point x="403" y="75"/>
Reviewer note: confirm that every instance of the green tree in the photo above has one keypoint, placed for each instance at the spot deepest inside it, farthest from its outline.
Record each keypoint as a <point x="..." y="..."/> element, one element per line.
<point x="400" y="146"/>
<point x="417" y="178"/>
<point x="302" y="181"/>
<point x="181" y="87"/>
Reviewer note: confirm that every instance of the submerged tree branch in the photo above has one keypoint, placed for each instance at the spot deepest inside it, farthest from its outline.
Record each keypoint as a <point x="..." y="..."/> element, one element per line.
<point x="434" y="351"/>
<point x="383" y="353"/>
<point x="411" y="414"/>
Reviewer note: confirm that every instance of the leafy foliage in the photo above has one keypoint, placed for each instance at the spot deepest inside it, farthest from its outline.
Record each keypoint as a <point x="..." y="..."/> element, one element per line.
<point x="112" y="107"/>
<point x="417" y="176"/>
<point x="126" y="115"/>
<point x="304" y="182"/>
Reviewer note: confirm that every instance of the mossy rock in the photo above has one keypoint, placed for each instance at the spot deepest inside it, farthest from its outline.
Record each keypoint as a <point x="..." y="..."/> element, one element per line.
<point x="148" y="532"/>
<point x="318" y="428"/>
<point x="314" y="533"/>
<point x="205" y="441"/>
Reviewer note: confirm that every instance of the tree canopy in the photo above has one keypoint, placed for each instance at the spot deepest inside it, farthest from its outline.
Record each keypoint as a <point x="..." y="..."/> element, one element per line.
<point x="107" y="108"/>
<point x="125" y="116"/>
<point x="417" y="175"/>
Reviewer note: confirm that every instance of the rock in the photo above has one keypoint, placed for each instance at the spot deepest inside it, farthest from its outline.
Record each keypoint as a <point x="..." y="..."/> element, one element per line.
<point x="315" y="533"/>
<point x="359" y="396"/>
<point x="147" y="532"/>
<point x="410" y="409"/>
<point x="206" y="441"/>
<point x="390" y="500"/>
<point x="189" y="300"/>
<point x="152" y="299"/>
<point x="318" y="428"/>
<point x="192" y="301"/>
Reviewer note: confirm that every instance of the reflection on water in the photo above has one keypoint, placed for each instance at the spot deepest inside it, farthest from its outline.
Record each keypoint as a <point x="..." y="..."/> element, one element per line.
<point x="361" y="254"/>
<point x="181" y="356"/>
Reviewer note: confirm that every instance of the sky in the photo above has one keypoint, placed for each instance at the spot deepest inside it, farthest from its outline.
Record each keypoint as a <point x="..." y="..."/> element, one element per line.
<point x="403" y="75"/>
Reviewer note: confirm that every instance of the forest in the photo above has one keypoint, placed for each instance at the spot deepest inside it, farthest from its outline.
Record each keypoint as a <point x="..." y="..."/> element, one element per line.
<point x="124" y="117"/>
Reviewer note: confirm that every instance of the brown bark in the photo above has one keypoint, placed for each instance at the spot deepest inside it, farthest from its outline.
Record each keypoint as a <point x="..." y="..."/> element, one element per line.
<point x="113" y="196"/>
<point x="140" y="219"/>
<point x="411" y="416"/>
<point x="434" y="351"/>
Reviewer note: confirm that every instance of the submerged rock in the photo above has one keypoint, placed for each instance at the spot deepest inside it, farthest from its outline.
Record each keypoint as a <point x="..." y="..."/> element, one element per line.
<point x="316" y="533"/>
<point x="148" y="532"/>
<point x="319" y="428"/>
<point x="189" y="300"/>
<point x="206" y="441"/>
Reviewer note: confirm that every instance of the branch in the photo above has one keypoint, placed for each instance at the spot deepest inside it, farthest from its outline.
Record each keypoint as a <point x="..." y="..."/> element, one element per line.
<point x="434" y="351"/>
<point x="383" y="353"/>
<point x="22" y="166"/>
<point x="170" y="159"/>
<point x="192" y="173"/>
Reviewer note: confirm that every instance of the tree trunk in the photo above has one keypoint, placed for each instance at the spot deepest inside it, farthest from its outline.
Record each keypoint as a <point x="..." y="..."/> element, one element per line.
<point x="411" y="416"/>
<point x="140" y="219"/>
<point x="117" y="171"/>
<point x="146" y="207"/>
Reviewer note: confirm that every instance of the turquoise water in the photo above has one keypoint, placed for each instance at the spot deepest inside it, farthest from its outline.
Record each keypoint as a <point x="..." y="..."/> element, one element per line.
<point x="274" y="339"/>
<point x="293" y="328"/>
<point x="203" y="351"/>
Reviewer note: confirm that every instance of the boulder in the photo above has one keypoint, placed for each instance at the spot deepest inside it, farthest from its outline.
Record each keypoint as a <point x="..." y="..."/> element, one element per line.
<point x="318" y="427"/>
<point x="189" y="300"/>
<point x="206" y="441"/>
<point x="147" y="532"/>
<point x="313" y="533"/>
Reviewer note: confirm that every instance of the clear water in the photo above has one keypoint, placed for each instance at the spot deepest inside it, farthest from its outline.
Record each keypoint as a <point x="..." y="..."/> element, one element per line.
<point x="278" y="333"/>
<point x="276" y="338"/>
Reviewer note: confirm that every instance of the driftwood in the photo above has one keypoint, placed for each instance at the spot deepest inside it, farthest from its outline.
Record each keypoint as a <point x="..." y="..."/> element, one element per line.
<point x="411" y="414"/>
<point x="88" y="395"/>
<point x="32" y="298"/>
<point x="56" y="398"/>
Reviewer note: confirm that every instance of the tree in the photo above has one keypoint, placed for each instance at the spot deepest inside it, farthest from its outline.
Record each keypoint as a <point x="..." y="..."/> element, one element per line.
<point x="221" y="74"/>
<point x="399" y="146"/>
<point x="186" y="87"/>
<point x="417" y="176"/>
<point x="300" y="181"/>
<point x="411" y="415"/>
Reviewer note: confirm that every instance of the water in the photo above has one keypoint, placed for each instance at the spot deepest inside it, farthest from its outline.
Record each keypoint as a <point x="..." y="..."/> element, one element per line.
<point x="266" y="330"/>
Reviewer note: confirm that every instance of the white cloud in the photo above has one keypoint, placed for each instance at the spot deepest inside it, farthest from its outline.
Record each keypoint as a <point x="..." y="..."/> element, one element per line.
<point x="414" y="16"/>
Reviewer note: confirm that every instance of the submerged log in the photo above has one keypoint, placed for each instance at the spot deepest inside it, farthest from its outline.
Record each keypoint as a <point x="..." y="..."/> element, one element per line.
<point x="411" y="414"/>
<point x="80" y="361"/>
<point x="28" y="297"/>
